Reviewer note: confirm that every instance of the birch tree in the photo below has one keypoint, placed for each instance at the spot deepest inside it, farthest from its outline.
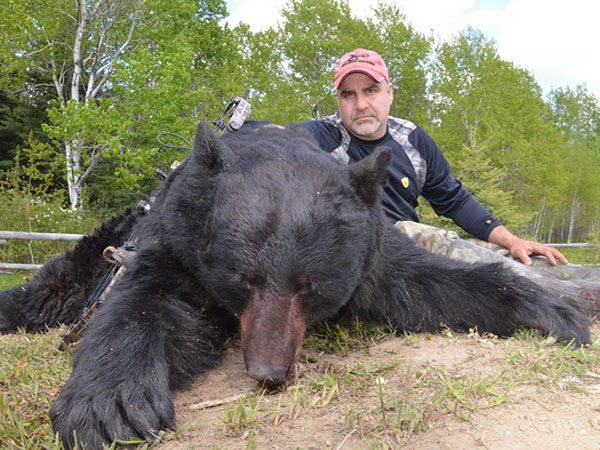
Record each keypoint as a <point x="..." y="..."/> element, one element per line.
<point x="108" y="28"/>
<point x="75" y="44"/>
<point x="120" y="69"/>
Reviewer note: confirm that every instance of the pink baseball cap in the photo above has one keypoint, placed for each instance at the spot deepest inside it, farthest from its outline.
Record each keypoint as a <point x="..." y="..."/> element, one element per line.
<point x="363" y="61"/>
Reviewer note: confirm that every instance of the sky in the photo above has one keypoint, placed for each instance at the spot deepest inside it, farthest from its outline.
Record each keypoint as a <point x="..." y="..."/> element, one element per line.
<point x="557" y="41"/>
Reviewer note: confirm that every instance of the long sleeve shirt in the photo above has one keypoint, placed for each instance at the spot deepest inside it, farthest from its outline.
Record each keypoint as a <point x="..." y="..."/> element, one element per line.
<point x="418" y="168"/>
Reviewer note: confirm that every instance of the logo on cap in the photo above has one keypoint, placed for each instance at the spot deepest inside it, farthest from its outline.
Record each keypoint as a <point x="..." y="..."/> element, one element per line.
<point x="355" y="59"/>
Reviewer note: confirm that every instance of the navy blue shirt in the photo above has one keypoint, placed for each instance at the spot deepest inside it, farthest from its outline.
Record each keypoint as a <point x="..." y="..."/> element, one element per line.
<point x="431" y="178"/>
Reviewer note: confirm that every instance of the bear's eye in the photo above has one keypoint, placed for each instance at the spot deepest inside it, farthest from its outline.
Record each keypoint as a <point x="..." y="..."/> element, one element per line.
<point x="301" y="285"/>
<point x="254" y="280"/>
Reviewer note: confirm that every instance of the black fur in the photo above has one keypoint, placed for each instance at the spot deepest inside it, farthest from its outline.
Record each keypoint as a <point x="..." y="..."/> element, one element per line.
<point x="264" y="227"/>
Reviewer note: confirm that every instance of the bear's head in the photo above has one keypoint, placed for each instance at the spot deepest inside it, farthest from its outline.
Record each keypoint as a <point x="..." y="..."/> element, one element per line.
<point x="290" y="235"/>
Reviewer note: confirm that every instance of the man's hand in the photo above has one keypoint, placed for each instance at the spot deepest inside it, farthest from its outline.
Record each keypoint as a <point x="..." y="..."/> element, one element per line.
<point x="523" y="249"/>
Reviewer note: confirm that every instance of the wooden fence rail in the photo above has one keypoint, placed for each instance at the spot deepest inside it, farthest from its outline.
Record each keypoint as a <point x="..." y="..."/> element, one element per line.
<point x="29" y="236"/>
<point x="40" y="236"/>
<point x="584" y="245"/>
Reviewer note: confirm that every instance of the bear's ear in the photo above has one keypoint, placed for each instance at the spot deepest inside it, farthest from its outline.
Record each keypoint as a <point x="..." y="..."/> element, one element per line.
<point x="213" y="153"/>
<point x="370" y="175"/>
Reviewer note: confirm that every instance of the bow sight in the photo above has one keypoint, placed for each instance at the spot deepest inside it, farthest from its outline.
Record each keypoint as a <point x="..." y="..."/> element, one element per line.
<point x="233" y="116"/>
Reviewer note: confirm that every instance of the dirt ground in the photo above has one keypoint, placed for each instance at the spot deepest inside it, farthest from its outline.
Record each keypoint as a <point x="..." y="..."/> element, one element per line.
<point x="562" y="414"/>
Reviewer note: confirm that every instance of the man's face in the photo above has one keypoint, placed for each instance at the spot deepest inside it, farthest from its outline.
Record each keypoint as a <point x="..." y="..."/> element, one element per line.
<point x="364" y="105"/>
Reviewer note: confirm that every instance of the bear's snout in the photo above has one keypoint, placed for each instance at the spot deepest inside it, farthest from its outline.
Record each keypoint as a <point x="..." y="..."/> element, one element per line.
<point x="272" y="331"/>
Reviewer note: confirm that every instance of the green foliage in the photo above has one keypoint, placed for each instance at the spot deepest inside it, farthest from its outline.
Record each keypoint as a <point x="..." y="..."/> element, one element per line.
<point x="20" y="115"/>
<point x="290" y="69"/>
<point x="313" y="35"/>
<point x="25" y="30"/>
<point x="106" y="134"/>
<point x="477" y="91"/>
<point x="576" y="113"/>
<point x="12" y="279"/>
<point x="29" y="204"/>
<point x="32" y="370"/>
<point x="574" y="213"/>
<point x="485" y="182"/>
<point x="22" y="213"/>
<point x="407" y="55"/>
<point x="162" y="79"/>
<point x="478" y="174"/>
<point x="179" y="74"/>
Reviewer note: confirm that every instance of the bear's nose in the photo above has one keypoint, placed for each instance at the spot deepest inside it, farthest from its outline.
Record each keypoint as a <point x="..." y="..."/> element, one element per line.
<point x="270" y="376"/>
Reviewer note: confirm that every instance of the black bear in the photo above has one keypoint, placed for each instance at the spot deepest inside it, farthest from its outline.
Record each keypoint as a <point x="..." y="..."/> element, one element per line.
<point x="258" y="232"/>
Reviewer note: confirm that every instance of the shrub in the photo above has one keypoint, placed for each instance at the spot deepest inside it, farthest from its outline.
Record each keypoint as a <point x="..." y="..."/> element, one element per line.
<point x="30" y="202"/>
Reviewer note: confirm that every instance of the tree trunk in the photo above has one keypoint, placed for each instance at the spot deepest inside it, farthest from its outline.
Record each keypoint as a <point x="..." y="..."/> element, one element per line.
<point x="549" y="237"/>
<point x="538" y="220"/>
<point x="563" y="216"/>
<point x="574" y="209"/>
<point x="74" y="170"/>
<point x="73" y="148"/>
<point x="77" y="61"/>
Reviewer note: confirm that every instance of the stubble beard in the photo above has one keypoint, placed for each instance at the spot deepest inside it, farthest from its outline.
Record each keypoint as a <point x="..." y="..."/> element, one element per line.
<point x="366" y="129"/>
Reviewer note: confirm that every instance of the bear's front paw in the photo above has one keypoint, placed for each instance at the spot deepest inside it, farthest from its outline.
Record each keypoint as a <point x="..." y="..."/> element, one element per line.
<point x="93" y="417"/>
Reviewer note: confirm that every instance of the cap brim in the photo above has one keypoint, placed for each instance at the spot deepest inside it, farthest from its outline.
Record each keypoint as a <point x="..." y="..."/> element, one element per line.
<point x="371" y="74"/>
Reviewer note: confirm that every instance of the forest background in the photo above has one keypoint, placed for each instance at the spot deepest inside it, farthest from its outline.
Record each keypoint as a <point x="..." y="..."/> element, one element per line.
<point x="87" y="85"/>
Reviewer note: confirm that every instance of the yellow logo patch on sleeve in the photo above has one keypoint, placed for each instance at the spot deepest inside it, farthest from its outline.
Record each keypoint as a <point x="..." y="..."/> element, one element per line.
<point x="404" y="182"/>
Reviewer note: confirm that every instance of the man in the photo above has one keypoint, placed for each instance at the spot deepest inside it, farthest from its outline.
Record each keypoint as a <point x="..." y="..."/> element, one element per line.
<point x="365" y="95"/>
<point x="362" y="123"/>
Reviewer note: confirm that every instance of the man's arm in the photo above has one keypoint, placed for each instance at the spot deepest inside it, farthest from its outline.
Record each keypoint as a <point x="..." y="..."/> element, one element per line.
<point x="522" y="248"/>
<point x="449" y="198"/>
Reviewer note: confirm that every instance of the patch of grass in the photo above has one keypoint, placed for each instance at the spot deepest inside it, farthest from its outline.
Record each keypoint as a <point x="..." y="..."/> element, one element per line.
<point x="390" y="402"/>
<point x="243" y="416"/>
<point x="32" y="370"/>
<point x="583" y="255"/>
<point x="9" y="280"/>
<point x="298" y="402"/>
<point x="342" y="338"/>
<point x="543" y="361"/>
<point x="159" y="438"/>
<point x="388" y="413"/>
<point x="462" y="395"/>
